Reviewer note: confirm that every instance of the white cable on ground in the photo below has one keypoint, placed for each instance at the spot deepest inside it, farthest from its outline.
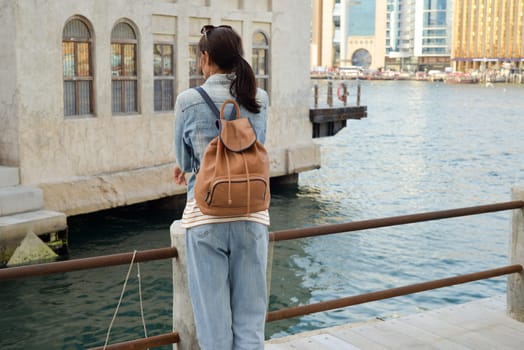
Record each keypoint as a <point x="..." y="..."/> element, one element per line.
<point x="140" y="296"/>
<point x="119" y="301"/>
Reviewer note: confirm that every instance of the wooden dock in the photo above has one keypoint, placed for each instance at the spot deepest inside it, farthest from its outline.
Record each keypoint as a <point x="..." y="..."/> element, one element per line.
<point x="481" y="324"/>
<point x="327" y="121"/>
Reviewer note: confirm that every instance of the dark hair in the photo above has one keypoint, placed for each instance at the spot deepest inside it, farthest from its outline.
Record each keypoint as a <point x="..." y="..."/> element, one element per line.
<point x="224" y="47"/>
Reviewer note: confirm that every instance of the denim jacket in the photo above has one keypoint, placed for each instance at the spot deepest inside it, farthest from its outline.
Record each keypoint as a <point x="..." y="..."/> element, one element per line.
<point x="195" y="123"/>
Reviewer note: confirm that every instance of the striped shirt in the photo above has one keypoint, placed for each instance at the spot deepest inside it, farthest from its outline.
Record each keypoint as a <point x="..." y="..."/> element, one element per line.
<point x="192" y="216"/>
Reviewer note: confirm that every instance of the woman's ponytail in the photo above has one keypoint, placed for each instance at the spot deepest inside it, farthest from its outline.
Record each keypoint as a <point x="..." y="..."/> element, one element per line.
<point x="244" y="85"/>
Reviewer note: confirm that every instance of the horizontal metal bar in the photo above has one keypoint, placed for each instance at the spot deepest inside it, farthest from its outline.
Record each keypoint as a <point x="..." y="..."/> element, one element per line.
<point x="388" y="293"/>
<point x="392" y="221"/>
<point x="145" y="343"/>
<point x="86" y="263"/>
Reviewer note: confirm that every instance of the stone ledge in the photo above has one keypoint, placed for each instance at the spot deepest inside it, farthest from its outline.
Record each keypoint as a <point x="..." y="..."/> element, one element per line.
<point x="303" y="158"/>
<point x="38" y="222"/>
<point x="99" y="192"/>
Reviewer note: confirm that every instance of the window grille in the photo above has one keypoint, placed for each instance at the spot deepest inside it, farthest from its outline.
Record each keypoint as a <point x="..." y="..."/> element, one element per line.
<point x="164" y="77"/>
<point x="77" y="68"/>
<point x="260" y="60"/>
<point x="124" y="78"/>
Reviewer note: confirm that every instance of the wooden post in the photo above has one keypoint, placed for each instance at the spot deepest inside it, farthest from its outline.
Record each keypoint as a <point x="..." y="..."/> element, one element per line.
<point x="330" y="94"/>
<point x="183" y="319"/>
<point x="345" y="92"/>
<point x="315" y="87"/>
<point x="515" y="292"/>
<point x="358" y="92"/>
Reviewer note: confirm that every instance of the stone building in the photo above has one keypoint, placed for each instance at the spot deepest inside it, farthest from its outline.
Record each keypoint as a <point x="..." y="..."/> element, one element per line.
<point x="88" y="88"/>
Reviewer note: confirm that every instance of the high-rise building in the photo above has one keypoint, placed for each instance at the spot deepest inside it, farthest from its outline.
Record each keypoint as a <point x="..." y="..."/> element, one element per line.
<point x="348" y="33"/>
<point x="363" y="26"/>
<point x="488" y="34"/>
<point x="323" y="33"/>
<point x="418" y="34"/>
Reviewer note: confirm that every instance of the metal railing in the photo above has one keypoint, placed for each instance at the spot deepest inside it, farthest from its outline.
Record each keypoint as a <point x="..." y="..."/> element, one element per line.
<point x="389" y="293"/>
<point x="87" y="263"/>
<point x="173" y="252"/>
<point x="144" y="343"/>
<point x="392" y="221"/>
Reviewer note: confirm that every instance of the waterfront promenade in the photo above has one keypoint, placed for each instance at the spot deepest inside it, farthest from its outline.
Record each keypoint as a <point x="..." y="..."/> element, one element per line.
<point x="480" y="324"/>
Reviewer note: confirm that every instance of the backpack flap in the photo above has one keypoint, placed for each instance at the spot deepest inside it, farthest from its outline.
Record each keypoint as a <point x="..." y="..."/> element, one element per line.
<point x="237" y="135"/>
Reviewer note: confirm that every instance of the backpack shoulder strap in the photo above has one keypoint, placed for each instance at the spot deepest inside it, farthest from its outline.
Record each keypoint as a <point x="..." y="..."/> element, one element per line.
<point x="210" y="103"/>
<point x="206" y="98"/>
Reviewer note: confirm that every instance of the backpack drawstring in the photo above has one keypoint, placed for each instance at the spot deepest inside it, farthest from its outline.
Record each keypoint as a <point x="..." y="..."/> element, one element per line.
<point x="229" y="200"/>
<point x="248" y="182"/>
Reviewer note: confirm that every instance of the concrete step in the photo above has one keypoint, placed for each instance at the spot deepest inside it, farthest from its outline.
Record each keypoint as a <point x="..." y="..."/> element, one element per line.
<point x="9" y="176"/>
<point x="14" y="228"/>
<point x="19" y="199"/>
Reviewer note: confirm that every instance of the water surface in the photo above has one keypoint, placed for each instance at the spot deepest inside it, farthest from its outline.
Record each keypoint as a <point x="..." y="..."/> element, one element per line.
<point x="425" y="146"/>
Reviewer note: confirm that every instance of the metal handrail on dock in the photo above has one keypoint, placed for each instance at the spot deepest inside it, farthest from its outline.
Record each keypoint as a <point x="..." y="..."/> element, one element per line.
<point x="173" y="252"/>
<point x="342" y="93"/>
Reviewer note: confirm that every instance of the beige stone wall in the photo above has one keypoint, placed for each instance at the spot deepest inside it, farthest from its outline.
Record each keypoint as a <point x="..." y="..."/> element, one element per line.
<point x="369" y="43"/>
<point x="9" y="154"/>
<point x="55" y="148"/>
<point x="57" y="152"/>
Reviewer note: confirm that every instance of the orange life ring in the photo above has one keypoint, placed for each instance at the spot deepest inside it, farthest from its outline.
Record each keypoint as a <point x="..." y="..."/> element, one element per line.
<point x="340" y="92"/>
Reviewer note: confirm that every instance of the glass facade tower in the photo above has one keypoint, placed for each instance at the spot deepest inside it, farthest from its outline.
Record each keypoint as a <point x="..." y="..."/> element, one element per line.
<point x="418" y="34"/>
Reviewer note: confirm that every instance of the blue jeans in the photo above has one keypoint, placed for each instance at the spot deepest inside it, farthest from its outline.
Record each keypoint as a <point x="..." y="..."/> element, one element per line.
<point x="226" y="266"/>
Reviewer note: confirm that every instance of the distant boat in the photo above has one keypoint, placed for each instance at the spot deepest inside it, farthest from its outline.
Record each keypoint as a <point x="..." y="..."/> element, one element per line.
<point x="461" y="78"/>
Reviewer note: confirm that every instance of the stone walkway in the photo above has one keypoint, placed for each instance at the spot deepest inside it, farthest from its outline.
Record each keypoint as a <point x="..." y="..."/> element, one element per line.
<point x="481" y="324"/>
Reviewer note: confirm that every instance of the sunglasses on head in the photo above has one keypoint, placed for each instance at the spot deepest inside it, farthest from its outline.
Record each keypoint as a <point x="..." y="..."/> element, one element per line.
<point x="209" y="28"/>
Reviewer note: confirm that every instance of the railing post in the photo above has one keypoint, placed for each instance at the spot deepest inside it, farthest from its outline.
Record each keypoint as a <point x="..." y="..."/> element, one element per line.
<point x="515" y="292"/>
<point x="183" y="319"/>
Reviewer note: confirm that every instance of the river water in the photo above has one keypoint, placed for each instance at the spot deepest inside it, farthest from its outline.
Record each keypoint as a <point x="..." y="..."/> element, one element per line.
<point x="424" y="146"/>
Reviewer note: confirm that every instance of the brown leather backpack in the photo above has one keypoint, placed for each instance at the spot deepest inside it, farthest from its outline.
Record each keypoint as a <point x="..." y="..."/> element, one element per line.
<point x="233" y="179"/>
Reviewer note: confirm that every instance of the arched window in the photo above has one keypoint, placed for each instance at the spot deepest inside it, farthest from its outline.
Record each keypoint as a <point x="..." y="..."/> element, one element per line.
<point x="164" y="77"/>
<point x="260" y="59"/>
<point x="124" y="79"/>
<point x="78" y="72"/>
